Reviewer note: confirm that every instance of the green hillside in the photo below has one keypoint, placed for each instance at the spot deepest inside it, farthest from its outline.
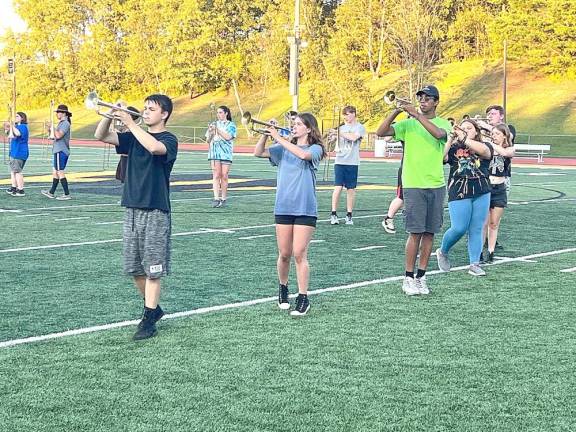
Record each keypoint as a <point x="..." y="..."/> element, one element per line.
<point x="537" y="105"/>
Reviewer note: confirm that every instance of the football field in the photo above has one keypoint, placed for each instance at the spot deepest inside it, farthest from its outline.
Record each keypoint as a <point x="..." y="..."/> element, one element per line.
<point x="479" y="354"/>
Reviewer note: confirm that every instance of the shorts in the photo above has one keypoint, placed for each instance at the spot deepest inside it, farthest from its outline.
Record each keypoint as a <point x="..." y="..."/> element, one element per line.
<point x="399" y="191"/>
<point x="146" y="246"/>
<point x="60" y="161"/>
<point x="346" y="175"/>
<point x="121" y="168"/>
<point x="499" y="197"/>
<point x="222" y="161"/>
<point x="295" y="220"/>
<point x="17" y="165"/>
<point x="424" y="210"/>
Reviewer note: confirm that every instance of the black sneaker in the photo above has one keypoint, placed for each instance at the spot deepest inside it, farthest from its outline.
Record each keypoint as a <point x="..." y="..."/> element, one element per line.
<point x="498" y="246"/>
<point x="147" y="326"/>
<point x="155" y="316"/>
<point x="221" y="203"/>
<point x="283" y="302"/>
<point x="490" y="258"/>
<point x="11" y="190"/>
<point x="302" y="306"/>
<point x="19" y="192"/>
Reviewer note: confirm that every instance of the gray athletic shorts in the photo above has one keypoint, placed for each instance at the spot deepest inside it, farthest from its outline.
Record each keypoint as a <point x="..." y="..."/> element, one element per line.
<point x="147" y="242"/>
<point x="17" y="165"/>
<point x="424" y="210"/>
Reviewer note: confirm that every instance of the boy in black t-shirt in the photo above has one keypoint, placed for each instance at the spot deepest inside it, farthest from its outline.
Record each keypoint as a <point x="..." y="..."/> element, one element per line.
<point x="146" y="196"/>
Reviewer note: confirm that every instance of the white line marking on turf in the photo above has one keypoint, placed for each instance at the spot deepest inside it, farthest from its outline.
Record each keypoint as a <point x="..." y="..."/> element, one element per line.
<point x="237" y="305"/>
<point x="9" y="211"/>
<point x="317" y="241"/>
<point x="222" y="230"/>
<point x="56" y="246"/>
<point x="255" y="237"/>
<point x="569" y="270"/>
<point x="33" y="215"/>
<point x="109" y="223"/>
<point x="369" y="248"/>
<point x="72" y="218"/>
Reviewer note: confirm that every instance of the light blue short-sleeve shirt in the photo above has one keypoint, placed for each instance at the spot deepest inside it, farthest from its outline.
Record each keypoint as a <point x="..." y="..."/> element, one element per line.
<point x="349" y="153"/>
<point x="221" y="149"/>
<point x="295" y="181"/>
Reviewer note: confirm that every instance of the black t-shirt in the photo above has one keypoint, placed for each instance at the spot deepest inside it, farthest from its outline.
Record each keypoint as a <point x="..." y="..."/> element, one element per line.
<point x="468" y="173"/>
<point x="147" y="184"/>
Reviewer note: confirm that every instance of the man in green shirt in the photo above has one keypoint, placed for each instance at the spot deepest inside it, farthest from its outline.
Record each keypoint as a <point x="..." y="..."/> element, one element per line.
<point x="424" y="135"/>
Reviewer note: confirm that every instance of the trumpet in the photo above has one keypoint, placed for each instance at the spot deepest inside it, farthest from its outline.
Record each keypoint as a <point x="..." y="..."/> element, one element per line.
<point x="248" y="120"/>
<point x="390" y="98"/>
<point x="93" y="102"/>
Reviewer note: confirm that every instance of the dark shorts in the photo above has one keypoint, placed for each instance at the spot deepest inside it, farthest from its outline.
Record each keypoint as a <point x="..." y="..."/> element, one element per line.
<point x="17" y="165"/>
<point x="499" y="197"/>
<point x="295" y="220"/>
<point x="222" y="161"/>
<point x="424" y="210"/>
<point x="121" y="168"/>
<point x="60" y="160"/>
<point x="146" y="245"/>
<point x="346" y="175"/>
<point x="399" y="191"/>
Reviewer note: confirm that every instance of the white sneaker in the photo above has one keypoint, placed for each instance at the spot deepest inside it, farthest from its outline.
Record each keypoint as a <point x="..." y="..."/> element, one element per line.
<point x="388" y="225"/>
<point x="409" y="286"/>
<point x="349" y="220"/>
<point x="422" y="285"/>
<point x="476" y="270"/>
<point x="334" y="220"/>
<point x="443" y="261"/>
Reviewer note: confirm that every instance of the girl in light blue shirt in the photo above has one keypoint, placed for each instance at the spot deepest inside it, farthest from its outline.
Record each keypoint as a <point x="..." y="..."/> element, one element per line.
<point x="296" y="208"/>
<point x="220" y="136"/>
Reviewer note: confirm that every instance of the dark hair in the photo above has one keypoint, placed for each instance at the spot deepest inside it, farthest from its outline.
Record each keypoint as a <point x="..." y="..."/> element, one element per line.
<point x="349" y="109"/>
<point x="498" y="108"/>
<point x="465" y="116"/>
<point x="314" y="136"/>
<point x="478" y="136"/>
<point x="131" y="108"/>
<point x="23" y="116"/>
<point x="506" y="131"/>
<point x="163" y="101"/>
<point x="227" y="111"/>
<point x="291" y="113"/>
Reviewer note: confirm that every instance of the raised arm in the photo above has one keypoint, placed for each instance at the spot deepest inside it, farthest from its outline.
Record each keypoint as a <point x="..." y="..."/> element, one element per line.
<point x="104" y="134"/>
<point x="260" y="147"/>
<point x="385" y="128"/>
<point x="147" y="140"/>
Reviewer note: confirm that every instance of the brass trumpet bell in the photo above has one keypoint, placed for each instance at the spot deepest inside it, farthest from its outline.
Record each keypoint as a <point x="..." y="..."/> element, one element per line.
<point x="248" y="120"/>
<point x="93" y="102"/>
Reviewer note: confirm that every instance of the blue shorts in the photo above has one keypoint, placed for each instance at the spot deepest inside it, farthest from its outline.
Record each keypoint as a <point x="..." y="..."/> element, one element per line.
<point x="346" y="175"/>
<point x="60" y="161"/>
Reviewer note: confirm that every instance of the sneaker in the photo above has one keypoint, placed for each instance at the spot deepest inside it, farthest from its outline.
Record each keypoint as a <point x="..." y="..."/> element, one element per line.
<point x="11" y="190"/>
<point x="409" y="286"/>
<point x="443" y="261"/>
<point x="64" y="197"/>
<point x="498" y="246"/>
<point x="283" y="302"/>
<point x="147" y="326"/>
<point x="490" y="258"/>
<point x="334" y="220"/>
<point x="348" y="220"/>
<point x="388" y="225"/>
<point x="302" y="306"/>
<point x="48" y="194"/>
<point x="19" y="192"/>
<point x="422" y="285"/>
<point x="476" y="270"/>
<point x="155" y="316"/>
<point x="215" y="203"/>
<point x="221" y="203"/>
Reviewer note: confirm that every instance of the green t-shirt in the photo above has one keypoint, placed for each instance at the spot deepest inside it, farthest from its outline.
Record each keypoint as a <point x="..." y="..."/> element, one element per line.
<point x="423" y="154"/>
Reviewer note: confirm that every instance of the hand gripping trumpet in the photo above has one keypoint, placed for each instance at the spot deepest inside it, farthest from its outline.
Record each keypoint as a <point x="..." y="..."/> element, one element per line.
<point x="248" y="120"/>
<point x="93" y="102"/>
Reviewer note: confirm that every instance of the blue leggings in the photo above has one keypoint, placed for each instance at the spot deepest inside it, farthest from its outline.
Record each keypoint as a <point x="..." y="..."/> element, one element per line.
<point x="467" y="215"/>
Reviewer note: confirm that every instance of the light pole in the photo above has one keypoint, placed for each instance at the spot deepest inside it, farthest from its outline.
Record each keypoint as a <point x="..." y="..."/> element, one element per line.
<point x="295" y="43"/>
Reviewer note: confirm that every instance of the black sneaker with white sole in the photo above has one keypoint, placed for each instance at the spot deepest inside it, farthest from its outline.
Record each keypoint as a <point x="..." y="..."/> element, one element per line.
<point x="302" y="306"/>
<point x="283" y="292"/>
<point x="147" y="326"/>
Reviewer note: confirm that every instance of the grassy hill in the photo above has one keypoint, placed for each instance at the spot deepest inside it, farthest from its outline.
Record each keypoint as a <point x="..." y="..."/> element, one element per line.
<point x="537" y="105"/>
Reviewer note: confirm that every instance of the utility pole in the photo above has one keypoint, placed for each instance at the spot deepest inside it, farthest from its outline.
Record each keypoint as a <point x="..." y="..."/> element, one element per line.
<point x="505" y="78"/>
<point x="295" y="42"/>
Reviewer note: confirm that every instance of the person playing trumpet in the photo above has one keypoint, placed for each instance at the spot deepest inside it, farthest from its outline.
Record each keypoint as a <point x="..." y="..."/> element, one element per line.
<point x="220" y="137"/>
<point x="468" y="192"/>
<point x="349" y="137"/>
<point x="60" y="152"/>
<point x="146" y="196"/>
<point x="18" y="133"/>
<point x="424" y="135"/>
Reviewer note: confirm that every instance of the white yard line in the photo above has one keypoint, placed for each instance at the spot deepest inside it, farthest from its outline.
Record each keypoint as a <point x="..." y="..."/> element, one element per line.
<point x="255" y="237"/>
<point x="34" y="215"/>
<point x="569" y="270"/>
<point x="238" y="305"/>
<point x="369" y="248"/>
<point x="109" y="223"/>
<point x="72" y="218"/>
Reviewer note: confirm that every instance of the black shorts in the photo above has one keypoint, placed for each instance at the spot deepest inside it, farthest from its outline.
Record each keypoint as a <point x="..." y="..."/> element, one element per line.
<point x="121" y="168"/>
<point x="499" y="197"/>
<point x="295" y="220"/>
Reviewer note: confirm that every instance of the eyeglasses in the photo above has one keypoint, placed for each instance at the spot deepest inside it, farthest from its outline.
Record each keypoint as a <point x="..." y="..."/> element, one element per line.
<point x="424" y="98"/>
